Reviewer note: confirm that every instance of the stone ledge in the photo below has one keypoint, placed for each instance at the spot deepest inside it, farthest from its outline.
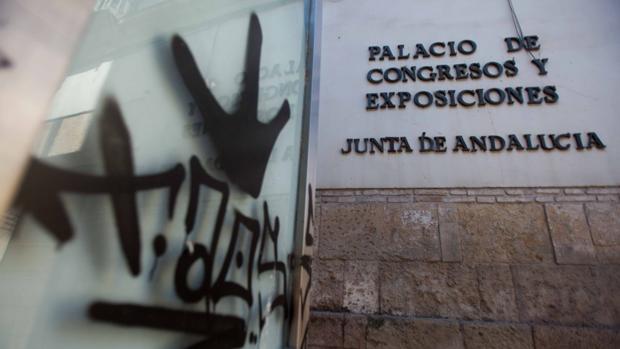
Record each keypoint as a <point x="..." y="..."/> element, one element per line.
<point x="481" y="195"/>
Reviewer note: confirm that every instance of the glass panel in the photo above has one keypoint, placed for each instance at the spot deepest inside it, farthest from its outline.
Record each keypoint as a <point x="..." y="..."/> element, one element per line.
<point x="159" y="209"/>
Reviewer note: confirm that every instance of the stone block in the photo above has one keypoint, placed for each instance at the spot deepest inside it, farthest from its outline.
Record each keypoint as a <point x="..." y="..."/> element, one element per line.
<point x="315" y="231"/>
<point x="574" y="191"/>
<point x="432" y="191"/>
<point x="400" y="198"/>
<point x="570" y="234"/>
<point x="397" y="191"/>
<point x="560" y="294"/>
<point x="329" y="199"/>
<point x="326" y="330"/>
<point x="485" y="192"/>
<point x="548" y="191"/>
<point x="349" y="230"/>
<point x="603" y="191"/>
<point x="374" y="231"/>
<point x="371" y="198"/>
<point x="607" y="278"/>
<point x="361" y="290"/>
<point x="410" y="232"/>
<point x="355" y="331"/>
<point x="608" y="254"/>
<point x="495" y="336"/>
<point x="604" y="221"/>
<point x="607" y="198"/>
<point x="510" y="199"/>
<point x="497" y="293"/>
<point x="430" y="198"/>
<point x="344" y="199"/>
<point x="449" y="234"/>
<point x="555" y="337"/>
<point x="327" y="284"/>
<point x="448" y="213"/>
<point x="575" y="198"/>
<point x="509" y="233"/>
<point x="429" y="290"/>
<point x="545" y="198"/>
<point x="486" y="199"/>
<point x="391" y="333"/>
<point x="337" y="192"/>
<point x="459" y="199"/>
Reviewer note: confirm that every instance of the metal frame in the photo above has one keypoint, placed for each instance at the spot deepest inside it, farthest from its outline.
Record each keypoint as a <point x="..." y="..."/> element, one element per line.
<point x="307" y="177"/>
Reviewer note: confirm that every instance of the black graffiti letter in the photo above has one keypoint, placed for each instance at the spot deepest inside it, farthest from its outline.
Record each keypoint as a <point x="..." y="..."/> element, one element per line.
<point x="243" y="143"/>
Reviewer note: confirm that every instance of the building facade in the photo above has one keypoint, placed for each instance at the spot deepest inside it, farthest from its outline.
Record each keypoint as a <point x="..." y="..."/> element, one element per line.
<point x="451" y="215"/>
<point x="467" y="188"/>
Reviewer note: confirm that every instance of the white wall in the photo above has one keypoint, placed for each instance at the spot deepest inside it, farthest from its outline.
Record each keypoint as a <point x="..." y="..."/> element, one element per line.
<point x="578" y="37"/>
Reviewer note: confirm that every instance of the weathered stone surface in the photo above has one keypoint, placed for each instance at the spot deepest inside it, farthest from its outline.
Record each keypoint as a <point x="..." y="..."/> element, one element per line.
<point x="555" y="337"/>
<point x="570" y="234"/>
<point x="450" y="237"/>
<point x="316" y="232"/>
<point x="400" y="198"/>
<point x="486" y="199"/>
<point x="485" y="192"/>
<point x="459" y="199"/>
<point x="504" y="199"/>
<point x="429" y="198"/>
<point x="449" y="233"/>
<point x="607" y="198"/>
<point x="361" y="290"/>
<point x="448" y="213"/>
<point x="604" y="221"/>
<point x="564" y="294"/>
<point x="373" y="231"/>
<point x="603" y="191"/>
<point x="497" y="293"/>
<point x="407" y="334"/>
<point x="371" y="198"/>
<point x="432" y="191"/>
<point x="548" y="191"/>
<point x="576" y="198"/>
<point x="494" y="336"/>
<point x="608" y="282"/>
<point x="355" y="331"/>
<point x="508" y="233"/>
<point x="327" y="284"/>
<point x="349" y="230"/>
<point x="326" y="329"/>
<point x="396" y="191"/>
<point x="337" y="192"/>
<point x="545" y="198"/>
<point x="608" y="254"/>
<point x="429" y="290"/>
<point x="343" y="199"/>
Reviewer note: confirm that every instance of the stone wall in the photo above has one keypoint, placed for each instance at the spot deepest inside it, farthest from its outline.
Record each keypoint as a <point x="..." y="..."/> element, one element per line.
<point x="467" y="268"/>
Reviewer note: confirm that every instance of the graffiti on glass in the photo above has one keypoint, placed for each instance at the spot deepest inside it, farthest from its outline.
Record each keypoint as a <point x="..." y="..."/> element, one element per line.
<point x="243" y="159"/>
